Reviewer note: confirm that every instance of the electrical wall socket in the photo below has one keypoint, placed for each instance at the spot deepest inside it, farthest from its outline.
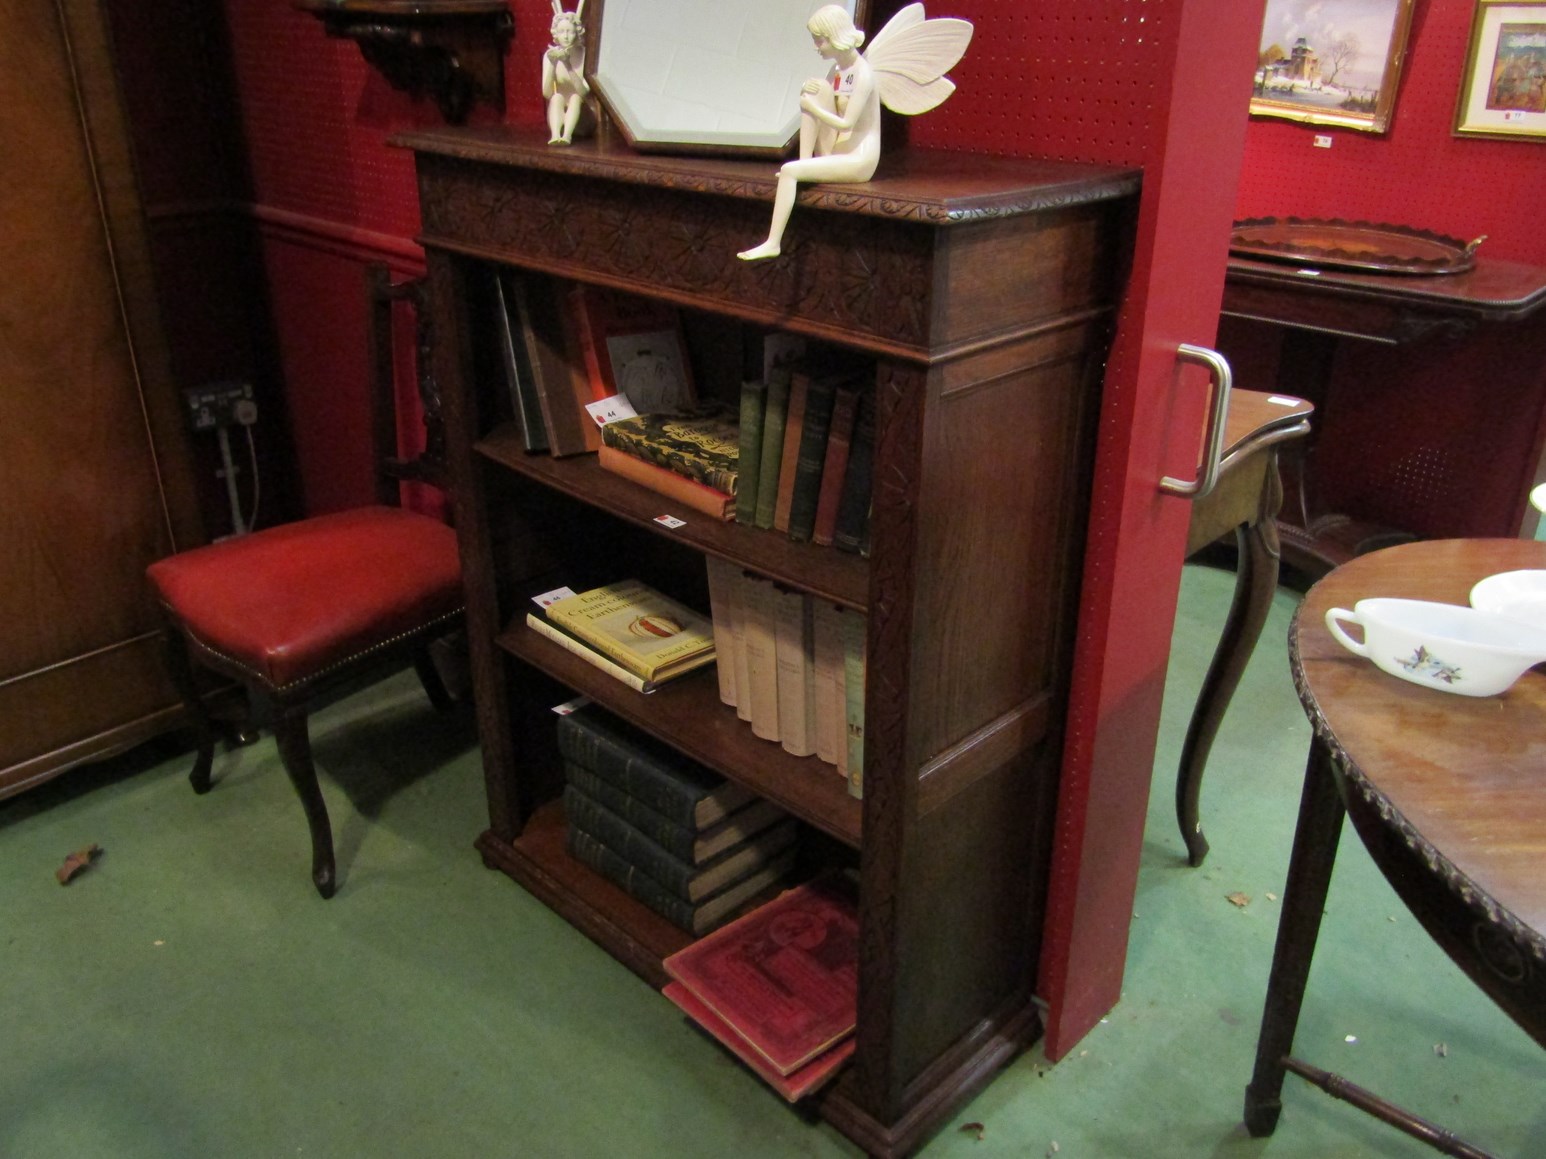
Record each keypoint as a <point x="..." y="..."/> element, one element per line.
<point x="220" y="404"/>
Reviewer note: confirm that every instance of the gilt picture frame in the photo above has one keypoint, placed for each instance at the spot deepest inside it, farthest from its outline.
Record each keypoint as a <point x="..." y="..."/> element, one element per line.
<point x="1503" y="89"/>
<point x="1332" y="62"/>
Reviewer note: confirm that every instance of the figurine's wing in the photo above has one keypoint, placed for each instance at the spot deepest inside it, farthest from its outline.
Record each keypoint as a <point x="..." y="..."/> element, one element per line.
<point x="910" y="56"/>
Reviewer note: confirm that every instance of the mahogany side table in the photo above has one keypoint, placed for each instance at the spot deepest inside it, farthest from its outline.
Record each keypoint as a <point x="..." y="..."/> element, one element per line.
<point x="1448" y="795"/>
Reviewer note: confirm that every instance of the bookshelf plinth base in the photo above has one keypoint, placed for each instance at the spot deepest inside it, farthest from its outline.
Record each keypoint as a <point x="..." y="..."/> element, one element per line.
<point x="940" y="1091"/>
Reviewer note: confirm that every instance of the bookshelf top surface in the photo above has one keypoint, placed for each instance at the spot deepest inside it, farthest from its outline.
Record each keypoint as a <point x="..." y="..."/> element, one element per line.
<point x="940" y="187"/>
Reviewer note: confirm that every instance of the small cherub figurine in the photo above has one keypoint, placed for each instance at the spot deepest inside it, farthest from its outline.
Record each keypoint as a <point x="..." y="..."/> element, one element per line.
<point x="840" y="113"/>
<point x="564" y="86"/>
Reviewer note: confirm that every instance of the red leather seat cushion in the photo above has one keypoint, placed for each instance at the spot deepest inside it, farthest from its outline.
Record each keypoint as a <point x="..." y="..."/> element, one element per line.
<point x="292" y="602"/>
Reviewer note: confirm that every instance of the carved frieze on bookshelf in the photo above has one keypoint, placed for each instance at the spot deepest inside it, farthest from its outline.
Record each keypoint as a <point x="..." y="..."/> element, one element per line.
<point x="876" y="283"/>
<point x="449" y="50"/>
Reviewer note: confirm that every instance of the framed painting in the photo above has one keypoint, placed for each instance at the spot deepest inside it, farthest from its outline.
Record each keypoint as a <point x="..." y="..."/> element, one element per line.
<point x="1503" y="91"/>
<point x="1331" y="62"/>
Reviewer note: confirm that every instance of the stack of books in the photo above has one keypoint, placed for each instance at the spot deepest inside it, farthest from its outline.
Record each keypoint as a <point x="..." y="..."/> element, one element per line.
<point x="779" y="986"/>
<point x="689" y="455"/>
<point x="675" y="836"/>
<point x="628" y="630"/>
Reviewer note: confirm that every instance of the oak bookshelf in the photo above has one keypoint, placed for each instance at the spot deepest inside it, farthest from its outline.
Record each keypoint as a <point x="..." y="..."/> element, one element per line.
<point x="983" y="289"/>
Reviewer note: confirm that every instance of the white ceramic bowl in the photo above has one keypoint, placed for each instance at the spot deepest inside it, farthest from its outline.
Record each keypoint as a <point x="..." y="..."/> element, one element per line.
<point x="1515" y="595"/>
<point x="1447" y="647"/>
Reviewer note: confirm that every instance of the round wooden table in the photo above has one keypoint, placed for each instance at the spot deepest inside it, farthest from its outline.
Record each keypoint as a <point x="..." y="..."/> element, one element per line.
<point x="1447" y="793"/>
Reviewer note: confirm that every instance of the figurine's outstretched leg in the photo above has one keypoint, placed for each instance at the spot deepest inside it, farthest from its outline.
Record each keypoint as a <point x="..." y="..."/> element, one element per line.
<point x="783" y="205"/>
<point x="556" y="120"/>
<point x="816" y="140"/>
<point x="572" y="117"/>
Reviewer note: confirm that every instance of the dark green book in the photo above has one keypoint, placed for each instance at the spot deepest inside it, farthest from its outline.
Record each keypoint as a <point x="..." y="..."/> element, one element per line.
<point x="773" y="415"/>
<point x="642" y="767"/>
<point x="694" y="846"/>
<point x="691" y="883"/>
<point x="852" y="532"/>
<point x="702" y="443"/>
<point x="754" y="399"/>
<point x="696" y="919"/>
<point x="819" y="396"/>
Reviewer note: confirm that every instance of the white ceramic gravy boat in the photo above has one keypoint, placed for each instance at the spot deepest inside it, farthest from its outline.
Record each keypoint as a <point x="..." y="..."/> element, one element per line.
<point x="1448" y="647"/>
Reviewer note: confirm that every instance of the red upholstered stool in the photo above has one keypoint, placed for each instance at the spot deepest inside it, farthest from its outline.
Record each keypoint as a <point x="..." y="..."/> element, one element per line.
<point x="295" y="611"/>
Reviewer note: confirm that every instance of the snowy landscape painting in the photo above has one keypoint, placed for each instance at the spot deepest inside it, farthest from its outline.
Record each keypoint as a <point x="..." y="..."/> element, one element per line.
<point x="1331" y="62"/>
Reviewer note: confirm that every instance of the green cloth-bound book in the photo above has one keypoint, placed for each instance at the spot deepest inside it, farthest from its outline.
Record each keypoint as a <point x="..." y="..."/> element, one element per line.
<point x="703" y="444"/>
<point x="774" y="413"/>
<point x="754" y="398"/>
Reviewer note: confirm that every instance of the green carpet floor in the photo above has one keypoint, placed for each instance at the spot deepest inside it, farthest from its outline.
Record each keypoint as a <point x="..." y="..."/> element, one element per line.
<point x="190" y="996"/>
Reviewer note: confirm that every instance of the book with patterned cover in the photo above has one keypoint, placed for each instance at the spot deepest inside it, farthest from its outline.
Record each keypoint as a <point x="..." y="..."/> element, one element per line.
<point x="703" y="443"/>
<point x="784" y="977"/>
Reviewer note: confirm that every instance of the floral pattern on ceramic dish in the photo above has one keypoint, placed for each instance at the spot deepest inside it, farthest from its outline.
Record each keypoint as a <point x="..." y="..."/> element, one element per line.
<point x="1425" y="663"/>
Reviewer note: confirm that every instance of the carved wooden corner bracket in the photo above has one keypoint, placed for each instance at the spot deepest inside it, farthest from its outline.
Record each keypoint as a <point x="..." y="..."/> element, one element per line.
<point x="450" y="50"/>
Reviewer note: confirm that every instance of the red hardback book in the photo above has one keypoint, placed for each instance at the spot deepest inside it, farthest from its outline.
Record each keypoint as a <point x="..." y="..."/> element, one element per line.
<point x="844" y="407"/>
<point x="795" y="1086"/>
<point x="783" y="978"/>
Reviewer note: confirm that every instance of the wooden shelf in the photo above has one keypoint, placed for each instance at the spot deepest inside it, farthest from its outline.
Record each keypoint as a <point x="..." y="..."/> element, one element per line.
<point x="632" y="933"/>
<point x="450" y="50"/>
<point x="688" y="715"/>
<point x="839" y="576"/>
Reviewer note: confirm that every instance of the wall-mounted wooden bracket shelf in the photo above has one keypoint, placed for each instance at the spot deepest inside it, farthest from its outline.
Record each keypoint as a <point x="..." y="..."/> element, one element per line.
<point x="452" y="50"/>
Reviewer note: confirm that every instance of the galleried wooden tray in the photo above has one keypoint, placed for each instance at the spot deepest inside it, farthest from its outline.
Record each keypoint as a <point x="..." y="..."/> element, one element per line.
<point x="1359" y="246"/>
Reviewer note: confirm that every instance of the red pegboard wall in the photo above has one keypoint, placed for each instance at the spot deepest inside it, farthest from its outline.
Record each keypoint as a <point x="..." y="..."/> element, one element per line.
<point x="1065" y="79"/>
<point x="1418" y="173"/>
<point x="316" y="120"/>
<point x="1061" y="78"/>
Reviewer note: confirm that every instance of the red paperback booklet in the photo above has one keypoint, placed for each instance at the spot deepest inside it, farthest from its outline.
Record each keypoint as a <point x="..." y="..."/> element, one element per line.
<point x="783" y="978"/>
<point x="795" y="1086"/>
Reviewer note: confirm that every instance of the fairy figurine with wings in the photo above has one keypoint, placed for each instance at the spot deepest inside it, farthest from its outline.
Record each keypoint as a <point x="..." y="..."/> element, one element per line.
<point x="904" y="69"/>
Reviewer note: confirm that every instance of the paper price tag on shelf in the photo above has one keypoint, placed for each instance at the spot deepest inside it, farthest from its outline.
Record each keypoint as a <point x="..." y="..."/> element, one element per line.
<point x="670" y="521"/>
<point x="570" y="706"/>
<point x="546" y="599"/>
<point x="609" y="410"/>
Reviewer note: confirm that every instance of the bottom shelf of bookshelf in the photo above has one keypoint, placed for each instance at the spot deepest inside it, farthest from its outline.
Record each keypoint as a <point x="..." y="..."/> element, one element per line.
<point x="629" y="931"/>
